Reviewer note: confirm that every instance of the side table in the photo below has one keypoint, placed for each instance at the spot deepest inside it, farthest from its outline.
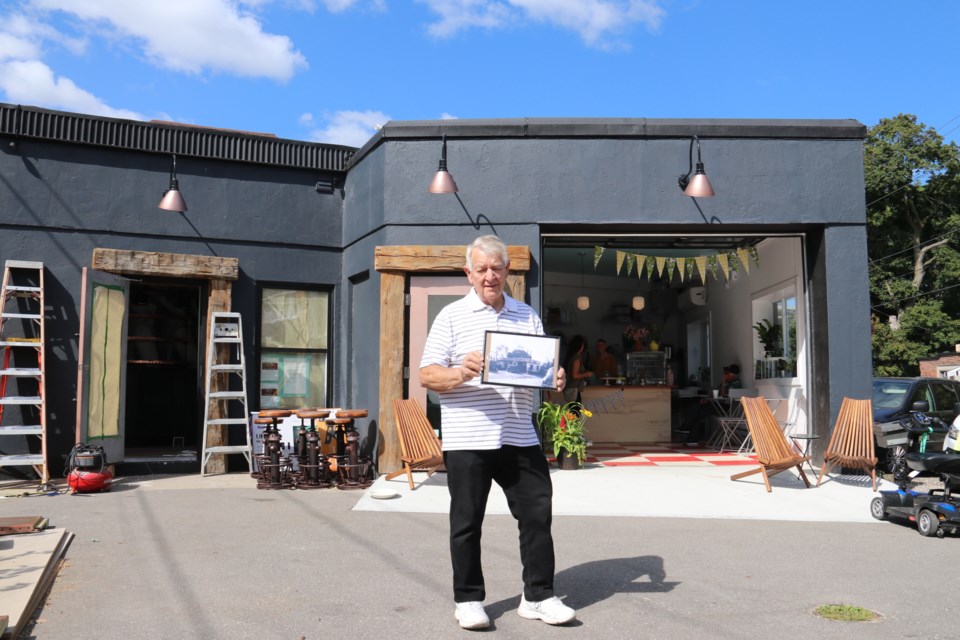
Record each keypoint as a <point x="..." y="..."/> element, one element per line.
<point x="802" y="443"/>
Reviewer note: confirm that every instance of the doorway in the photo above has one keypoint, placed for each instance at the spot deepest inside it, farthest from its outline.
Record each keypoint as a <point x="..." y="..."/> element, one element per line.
<point x="164" y="370"/>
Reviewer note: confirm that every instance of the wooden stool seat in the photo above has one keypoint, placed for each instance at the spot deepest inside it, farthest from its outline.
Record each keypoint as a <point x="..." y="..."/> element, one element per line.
<point x="263" y="421"/>
<point x="352" y="413"/>
<point x="275" y="413"/>
<point x="311" y="414"/>
<point x="338" y="421"/>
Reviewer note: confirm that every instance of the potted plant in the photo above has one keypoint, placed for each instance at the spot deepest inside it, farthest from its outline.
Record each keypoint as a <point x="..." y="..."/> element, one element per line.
<point x="769" y="335"/>
<point x="566" y="425"/>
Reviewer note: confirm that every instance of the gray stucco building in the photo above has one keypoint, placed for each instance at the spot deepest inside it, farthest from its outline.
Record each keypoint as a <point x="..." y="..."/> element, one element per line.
<point x="351" y="231"/>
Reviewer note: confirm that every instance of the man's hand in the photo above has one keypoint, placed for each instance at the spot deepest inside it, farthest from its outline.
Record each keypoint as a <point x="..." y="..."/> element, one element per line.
<point x="561" y="379"/>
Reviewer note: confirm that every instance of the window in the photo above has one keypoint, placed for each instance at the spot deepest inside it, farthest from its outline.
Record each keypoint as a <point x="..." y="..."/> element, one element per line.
<point x="294" y="348"/>
<point x="777" y="354"/>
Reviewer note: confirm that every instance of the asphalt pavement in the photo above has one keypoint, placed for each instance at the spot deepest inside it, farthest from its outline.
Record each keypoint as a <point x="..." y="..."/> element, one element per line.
<point x="215" y="558"/>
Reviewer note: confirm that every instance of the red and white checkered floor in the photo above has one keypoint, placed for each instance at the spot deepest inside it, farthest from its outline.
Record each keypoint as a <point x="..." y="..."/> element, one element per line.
<point x="642" y="454"/>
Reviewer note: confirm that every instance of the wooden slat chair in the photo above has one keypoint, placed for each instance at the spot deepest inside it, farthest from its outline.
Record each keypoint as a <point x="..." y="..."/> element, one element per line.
<point x="419" y="445"/>
<point x="774" y="453"/>
<point x="851" y="443"/>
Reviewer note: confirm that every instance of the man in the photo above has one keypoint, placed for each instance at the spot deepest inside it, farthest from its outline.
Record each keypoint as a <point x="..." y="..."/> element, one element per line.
<point x="605" y="364"/>
<point x="731" y="380"/>
<point x="488" y="436"/>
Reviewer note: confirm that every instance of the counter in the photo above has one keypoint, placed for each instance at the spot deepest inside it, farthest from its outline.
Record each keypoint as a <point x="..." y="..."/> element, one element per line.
<point x="628" y="413"/>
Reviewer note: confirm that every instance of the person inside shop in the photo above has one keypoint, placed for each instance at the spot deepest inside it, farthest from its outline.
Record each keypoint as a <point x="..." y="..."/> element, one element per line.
<point x="578" y="376"/>
<point x="488" y="436"/>
<point x="698" y="426"/>
<point x="604" y="363"/>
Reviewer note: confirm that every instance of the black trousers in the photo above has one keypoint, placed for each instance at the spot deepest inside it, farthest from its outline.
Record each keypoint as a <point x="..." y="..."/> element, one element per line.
<point x="524" y="476"/>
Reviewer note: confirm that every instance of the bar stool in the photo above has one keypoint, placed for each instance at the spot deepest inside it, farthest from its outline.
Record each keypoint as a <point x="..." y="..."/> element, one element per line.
<point x="274" y="473"/>
<point x="355" y="472"/>
<point x="314" y="472"/>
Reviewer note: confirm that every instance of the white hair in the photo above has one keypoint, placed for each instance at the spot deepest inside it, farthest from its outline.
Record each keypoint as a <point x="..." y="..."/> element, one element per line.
<point x="489" y="245"/>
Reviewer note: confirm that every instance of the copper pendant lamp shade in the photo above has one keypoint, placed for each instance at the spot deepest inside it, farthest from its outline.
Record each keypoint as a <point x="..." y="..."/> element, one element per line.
<point x="699" y="185"/>
<point x="443" y="182"/>
<point x="583" y="301"/>
<point x="173" y="200"/>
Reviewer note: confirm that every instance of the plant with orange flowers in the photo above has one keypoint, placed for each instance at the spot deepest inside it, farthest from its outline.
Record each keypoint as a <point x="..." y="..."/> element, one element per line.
<point x="566" y="424"/>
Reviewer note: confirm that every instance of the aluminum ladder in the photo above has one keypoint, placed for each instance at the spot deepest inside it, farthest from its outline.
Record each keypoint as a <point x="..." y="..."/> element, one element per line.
<point x="21" y="375"/>
<point x="225" y="359"/>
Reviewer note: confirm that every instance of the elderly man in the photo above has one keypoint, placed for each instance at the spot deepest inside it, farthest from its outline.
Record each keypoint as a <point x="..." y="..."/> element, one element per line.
<point x="488" y="436"/>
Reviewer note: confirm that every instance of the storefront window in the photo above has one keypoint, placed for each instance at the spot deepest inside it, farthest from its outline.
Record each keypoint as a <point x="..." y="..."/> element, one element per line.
<point x="776" y="350"/>
<point x="294" y="348"/>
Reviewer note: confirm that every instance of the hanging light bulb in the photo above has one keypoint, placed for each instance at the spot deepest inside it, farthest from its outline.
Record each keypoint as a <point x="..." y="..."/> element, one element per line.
<point x="583" y="302"/>
<point x="638" y="303"/>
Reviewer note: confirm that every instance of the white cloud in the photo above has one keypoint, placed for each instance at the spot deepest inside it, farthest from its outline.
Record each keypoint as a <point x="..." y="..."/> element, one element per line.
<point x="596" y="21"/>
<point x="351" y="128"/>
<point x="447" y="116"/>
<point x="33" y="82"/>
<point x="191" y="36"/>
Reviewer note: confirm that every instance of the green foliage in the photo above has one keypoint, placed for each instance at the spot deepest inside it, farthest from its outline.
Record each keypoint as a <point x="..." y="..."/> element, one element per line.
<point x="913" y="233"/>
<point x="770" y="335"/>
<point x="566" y="425"/>
<point x="846" y="613"/>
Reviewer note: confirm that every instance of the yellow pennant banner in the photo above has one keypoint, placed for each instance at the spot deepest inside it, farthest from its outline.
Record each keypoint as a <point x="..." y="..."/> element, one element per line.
<point x="724" y="261"/>
<point x="620" y="257"/>
<point x="687" y="267"/>
<point x="744" y="256"/>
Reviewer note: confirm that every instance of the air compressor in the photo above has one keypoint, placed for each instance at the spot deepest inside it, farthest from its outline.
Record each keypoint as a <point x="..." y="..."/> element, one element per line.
<point x="87" y="469"/>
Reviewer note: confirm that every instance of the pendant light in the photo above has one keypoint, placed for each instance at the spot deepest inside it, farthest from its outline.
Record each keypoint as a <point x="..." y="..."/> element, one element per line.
<point x="172" y="198"/>
<point x="442" y="181"/>
<point x="638" y="303"/>
<point x="698" y="186"/>
<point x="583" y="302"/>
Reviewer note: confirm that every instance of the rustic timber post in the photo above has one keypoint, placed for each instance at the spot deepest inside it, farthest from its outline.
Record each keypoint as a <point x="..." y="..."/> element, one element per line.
<point x="218" y="301"/>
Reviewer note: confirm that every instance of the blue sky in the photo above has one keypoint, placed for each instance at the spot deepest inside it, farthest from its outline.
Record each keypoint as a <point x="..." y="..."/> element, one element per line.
<point x="332" y="70"/>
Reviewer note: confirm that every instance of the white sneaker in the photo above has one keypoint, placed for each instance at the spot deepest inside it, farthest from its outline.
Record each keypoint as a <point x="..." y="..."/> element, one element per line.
<point x="471" y="615"/>
<point x="551" y="611"/>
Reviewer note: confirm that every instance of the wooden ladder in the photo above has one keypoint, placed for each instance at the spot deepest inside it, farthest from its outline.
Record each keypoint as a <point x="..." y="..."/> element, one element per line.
<point x="225" y="357"/>
<point x="23" y="364"/>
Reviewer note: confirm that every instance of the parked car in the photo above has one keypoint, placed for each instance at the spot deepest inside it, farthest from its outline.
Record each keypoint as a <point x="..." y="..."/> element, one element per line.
<point x="893" y="401"/>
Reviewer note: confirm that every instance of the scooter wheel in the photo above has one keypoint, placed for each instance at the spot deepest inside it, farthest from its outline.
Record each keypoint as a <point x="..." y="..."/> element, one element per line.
<point x="877" y="510"/>
<point x="927" y="523"/>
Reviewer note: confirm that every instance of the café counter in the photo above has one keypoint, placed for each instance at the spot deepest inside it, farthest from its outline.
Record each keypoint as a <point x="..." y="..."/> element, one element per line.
<point x="628" y="413"/>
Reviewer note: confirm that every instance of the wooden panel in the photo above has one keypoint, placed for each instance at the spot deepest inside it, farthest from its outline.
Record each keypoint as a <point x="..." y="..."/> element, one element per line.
<point x="391" y="366"/>
<point x="175" y="265"/>
<point x="219" y="300"/>
<point x="643" y="415"/>
<point x="436" y="258"/>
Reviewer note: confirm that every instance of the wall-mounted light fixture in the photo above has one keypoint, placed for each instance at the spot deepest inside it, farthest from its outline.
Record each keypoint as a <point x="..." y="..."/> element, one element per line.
<point x="443" y="182"/>
<point x="326" y="185"/>
<point x="172" y="199"/>
<point x="583" y="302"/>
<point x="698" y="186"/>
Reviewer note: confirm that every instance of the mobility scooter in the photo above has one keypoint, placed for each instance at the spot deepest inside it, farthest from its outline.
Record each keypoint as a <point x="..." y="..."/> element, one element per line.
<point x="936" y="511"/>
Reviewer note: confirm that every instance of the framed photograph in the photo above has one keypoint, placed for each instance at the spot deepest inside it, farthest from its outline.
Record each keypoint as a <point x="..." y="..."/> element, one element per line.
<point x="521" y="360"/>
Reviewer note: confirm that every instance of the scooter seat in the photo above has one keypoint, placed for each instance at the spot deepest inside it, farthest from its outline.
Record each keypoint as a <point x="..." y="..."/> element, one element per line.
<point x="934" y="462"/>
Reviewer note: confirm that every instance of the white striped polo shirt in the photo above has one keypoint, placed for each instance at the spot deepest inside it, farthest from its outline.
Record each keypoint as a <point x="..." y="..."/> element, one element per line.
<point x="475" y="415"/>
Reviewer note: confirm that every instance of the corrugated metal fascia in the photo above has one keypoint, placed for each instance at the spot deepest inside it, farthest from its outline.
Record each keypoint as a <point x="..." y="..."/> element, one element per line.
<point x="42" y="124"/>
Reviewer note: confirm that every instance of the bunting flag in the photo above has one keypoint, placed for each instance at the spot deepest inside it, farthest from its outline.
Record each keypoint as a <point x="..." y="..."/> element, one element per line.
<point x="661" y="263"/>
<point x="701" y="262"/>
<point x="724" y="261"/>
<point x="744" y="256"/>
<point x="664" y="266"/>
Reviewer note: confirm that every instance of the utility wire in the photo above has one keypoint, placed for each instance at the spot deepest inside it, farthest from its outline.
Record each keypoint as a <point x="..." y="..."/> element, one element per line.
<point x="916" y="246"/>
<point x="920" y="295"/>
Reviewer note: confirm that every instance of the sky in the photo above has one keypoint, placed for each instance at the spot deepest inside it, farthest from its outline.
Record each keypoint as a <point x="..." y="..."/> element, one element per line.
<point x="334" y="70"/>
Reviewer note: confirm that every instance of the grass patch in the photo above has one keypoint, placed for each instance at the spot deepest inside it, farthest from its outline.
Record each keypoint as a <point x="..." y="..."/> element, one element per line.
<point x="846" y="613"/>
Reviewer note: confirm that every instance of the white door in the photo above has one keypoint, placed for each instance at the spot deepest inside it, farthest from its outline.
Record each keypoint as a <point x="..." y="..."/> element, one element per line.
<point x="102" y="362"/>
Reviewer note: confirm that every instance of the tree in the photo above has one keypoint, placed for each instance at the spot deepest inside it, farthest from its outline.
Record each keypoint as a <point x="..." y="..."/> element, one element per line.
<point x="913" y="218"/>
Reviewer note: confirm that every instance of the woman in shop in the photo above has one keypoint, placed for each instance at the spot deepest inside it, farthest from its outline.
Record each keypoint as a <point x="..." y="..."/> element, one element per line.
<point x="573" y="364"/>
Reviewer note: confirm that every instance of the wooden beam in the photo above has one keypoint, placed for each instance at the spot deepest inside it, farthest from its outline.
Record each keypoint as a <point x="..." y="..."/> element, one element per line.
<point x="391" y="366"/>
<point x="427" y="258"/>
<point x="174" y="265"/>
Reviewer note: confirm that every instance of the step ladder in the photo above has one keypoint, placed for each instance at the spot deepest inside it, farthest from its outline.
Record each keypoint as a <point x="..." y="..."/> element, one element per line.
<point x="21" y="376"/>
<point x="224" y="360"/>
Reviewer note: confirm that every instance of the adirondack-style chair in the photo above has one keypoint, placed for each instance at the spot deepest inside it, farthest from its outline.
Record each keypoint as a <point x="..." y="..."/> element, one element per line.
<point x="774" y="453"/>
<point x="419" y="445"/>
<point x="851" y="443"/>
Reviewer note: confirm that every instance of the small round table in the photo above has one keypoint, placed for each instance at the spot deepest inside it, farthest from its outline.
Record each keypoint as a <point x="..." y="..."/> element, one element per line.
<point x="802" y="442"/>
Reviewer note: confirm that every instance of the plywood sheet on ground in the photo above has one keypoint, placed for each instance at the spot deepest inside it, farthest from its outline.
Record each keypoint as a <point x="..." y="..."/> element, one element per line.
<point x="28" y="564"/>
